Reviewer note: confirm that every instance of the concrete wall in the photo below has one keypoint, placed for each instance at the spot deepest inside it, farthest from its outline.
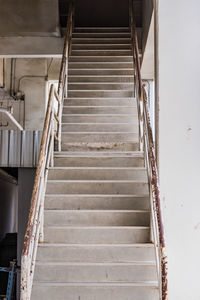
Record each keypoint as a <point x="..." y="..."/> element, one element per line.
<point x="29" y="79"/>
<point x="29" y="18"/>
<point x="179" y="44"/>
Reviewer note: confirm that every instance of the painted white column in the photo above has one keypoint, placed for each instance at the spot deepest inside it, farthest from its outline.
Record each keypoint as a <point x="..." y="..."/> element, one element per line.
<point x="179" y="48"/>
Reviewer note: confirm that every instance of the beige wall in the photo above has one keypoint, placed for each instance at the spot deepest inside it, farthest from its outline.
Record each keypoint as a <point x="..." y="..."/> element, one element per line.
<point x="179" y="44"/>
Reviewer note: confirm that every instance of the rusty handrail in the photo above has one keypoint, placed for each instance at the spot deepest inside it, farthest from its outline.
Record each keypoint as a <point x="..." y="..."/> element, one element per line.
<point x="63" y="77"/>
<point x="51" y="135"/>
<point x="144" y="117"/>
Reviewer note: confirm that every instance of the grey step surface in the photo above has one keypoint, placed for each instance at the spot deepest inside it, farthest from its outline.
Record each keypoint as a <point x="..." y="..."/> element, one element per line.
<point x="76" y="109"/>
<point x="102" y="58"/>
<point x="103" y="72"/>
<point x="101" y="93"/>
<point x="99" y="118"/>
<point x="98" y="137"/>
<point x="96" y="218"/>
<point x="85" y="159"/>
<point x="99" y="127"/>
<point x="97" y="173"/>
<point x="100" y="102"/>
<point x="95" y="252"/>
<point x="94" y="272"/>
<point x="96" y="235"/>
<point x="101" y="52"/>
<point x="100" y="146"/>
<point x="101" y="78"/>
<point x="100" y="65"/>
<point x="101" y="40"/>
<point x="101" y="29"/>
<point x="114" y="45"/>
<point x="101" y="35"/>
<point x="101" y="86"/>
<point x="99" y="202"/>
<point x="97" y="291"/>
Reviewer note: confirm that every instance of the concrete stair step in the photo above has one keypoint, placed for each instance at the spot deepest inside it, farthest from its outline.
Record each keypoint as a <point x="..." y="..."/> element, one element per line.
<point x="96" y="235"/>
<point x="99" y="118"/>
<point x="76" y="109"/>
<point x="102" y="159"/>
<point x="97" y="291"/>
<point x="100" y="146"/>
<point x="101" y="72"/>
<point x="101" y="78"/>
<point x="103" y="46"/>
<point x="97" y="173"/>
<point x="94" y="272"/>
<point x="98" y="202"/>
<point x="101" y="52"/>
<point x="101" y="93"/>
<point x="101" y="35"/>
<point x="100" y="65"/>
<point x="99" y="127"/>
<point x="98" y="59"/>
<point x="95" y="252"/>
<point x="101" y="41"/>
<point x="101" y="29"/>
<point x="96" y="218"/>
<point x="100" y="102"/>
<point x="100" y="86"/>
<point x="98" y="137"/>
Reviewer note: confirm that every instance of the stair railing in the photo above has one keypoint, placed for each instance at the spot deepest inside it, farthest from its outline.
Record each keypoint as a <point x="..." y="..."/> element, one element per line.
<point x="51" y="136"/>
<point x="147" y="145"/>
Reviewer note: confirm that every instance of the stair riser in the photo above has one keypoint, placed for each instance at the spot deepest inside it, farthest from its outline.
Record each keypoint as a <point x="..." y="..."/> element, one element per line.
<point x="99" y="161"/>
<point x="99" y="119"/>
<point x="101" y="41"/>
<point x="99" y="203"/>
<point x="98" y="174"/>
<point x="99" y="127"/>
<point x="101" y="59"/>
<point x="95" y="253"/>
<point x="98" y="137"/>
<point x="106" y="79"/>
<point x="101" y="46"/>
<point x="101" y="86"/>
<point x="98" y="293"/>
<point x="99" y="110"/>
<point x="94" y="273"/>
<point x="96" y="236"/>
<point x="101" y="72"/>
<point x="94" y="218"/>
<point x="100" y="146"/>
<point x="102" y="65"/>
<point x="100" y="102"/>
<point x="99" y="35"/>
<point x="101" y="52"/>
<point x="109" y="94"/>
<point x="102" y="30"/>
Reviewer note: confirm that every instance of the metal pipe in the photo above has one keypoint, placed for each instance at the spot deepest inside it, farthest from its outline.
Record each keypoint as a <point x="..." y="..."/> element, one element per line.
<point x="12" y="119"/>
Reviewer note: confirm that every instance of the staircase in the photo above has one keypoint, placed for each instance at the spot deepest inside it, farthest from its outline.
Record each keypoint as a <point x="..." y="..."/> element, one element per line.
<point x="97" y="209"/>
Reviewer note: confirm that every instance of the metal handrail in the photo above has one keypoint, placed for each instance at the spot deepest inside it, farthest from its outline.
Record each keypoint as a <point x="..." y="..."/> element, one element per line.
<point x="51" y="135"/>
<point x="147" y="145"/>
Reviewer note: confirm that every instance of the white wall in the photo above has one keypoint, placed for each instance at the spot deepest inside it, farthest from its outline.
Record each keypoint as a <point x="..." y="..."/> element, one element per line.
<point x="179" y="46"/>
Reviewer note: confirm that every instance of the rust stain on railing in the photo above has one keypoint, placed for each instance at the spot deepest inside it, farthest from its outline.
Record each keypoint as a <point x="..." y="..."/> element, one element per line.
<point x="151" y="152"/>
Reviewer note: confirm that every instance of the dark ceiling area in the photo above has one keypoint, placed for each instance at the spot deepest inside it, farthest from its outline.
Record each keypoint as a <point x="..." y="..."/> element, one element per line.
<point x="105" y="13"/>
